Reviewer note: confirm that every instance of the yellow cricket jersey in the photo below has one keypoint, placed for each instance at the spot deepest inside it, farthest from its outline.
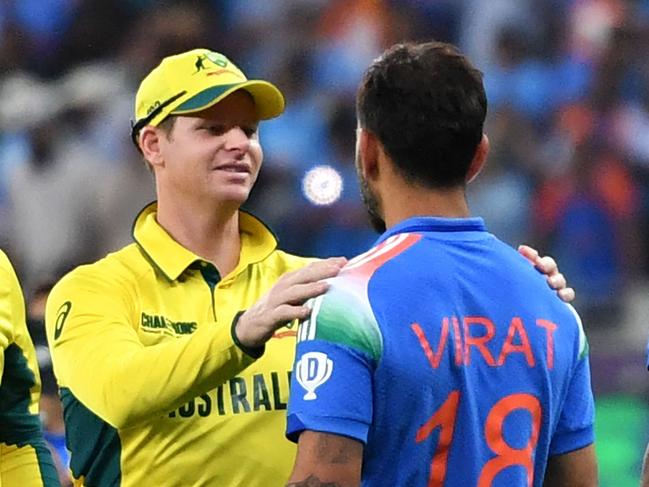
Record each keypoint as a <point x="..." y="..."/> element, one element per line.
<point x="25" y="460"/>
<point x="155" y="390"/>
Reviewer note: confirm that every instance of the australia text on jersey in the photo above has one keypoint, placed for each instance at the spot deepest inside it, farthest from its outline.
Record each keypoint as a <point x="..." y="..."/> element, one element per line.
<point x="259" y="392"/>
<point x="493" y="352"/>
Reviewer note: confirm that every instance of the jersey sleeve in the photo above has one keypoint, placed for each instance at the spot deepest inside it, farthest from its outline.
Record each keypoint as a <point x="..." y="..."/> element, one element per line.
<point x="26" y="459"/>
<point x="98" y="356"/>
<point x="7" y="306"/>
<point x="338" y="349"/>
<point x="12" y="311"/>
<point x="575" y="428"/>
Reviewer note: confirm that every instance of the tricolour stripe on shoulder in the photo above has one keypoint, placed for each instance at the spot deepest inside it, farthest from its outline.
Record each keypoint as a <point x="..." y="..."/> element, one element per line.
<point x="344" y="315"/>
<point x="368" y="262"/>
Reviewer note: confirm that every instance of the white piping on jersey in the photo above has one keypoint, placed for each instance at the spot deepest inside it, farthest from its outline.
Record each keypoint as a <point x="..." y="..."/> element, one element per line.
<point x="582" y="334"/>
<point x="308" y="328"/>
<point x="313" y="320"/>
<point x="372" y="254"/>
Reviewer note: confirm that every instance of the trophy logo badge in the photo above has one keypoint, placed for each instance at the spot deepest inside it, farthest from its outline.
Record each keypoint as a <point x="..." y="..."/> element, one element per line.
<point x="313" y="370"/>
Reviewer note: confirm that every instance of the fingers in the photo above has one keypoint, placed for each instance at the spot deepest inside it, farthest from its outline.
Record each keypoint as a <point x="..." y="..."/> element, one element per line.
<point x="315" y="271"/>
<point x="557" y="281"/>
<point x="256" y="326"/>
<point x="285" y="301"/>
<point x="547" y="265"/>
<point x="286" y="312"/>
<point x="529" y="253"/>
<point x="567" y="295"/>
<point x="299" y="293"/>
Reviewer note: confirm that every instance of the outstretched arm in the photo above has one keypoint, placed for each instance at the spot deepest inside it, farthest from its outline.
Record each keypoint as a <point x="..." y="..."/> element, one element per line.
<point x="326" y="460"/>
<point x="99" y="357"/>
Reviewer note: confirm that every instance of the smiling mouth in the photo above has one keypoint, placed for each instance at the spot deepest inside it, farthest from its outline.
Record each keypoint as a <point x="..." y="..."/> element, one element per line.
<point x="234" y="168"/>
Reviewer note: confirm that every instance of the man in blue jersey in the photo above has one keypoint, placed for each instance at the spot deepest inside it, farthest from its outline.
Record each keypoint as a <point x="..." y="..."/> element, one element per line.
<point x="440" y="357"/>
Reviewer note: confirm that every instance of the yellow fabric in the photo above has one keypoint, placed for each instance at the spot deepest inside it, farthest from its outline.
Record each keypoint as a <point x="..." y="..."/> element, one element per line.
<point x="194" y="72"/>
<point x="13" y="328"/>
<point x="19" y="422"/>
<point x="146" y="346"/>
<point x="19" y="467"/>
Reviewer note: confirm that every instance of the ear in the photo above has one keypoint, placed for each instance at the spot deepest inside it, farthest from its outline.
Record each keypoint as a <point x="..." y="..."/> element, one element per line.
<point x="479" y="159"/>
<point x="150" y="144"/>
<point x="368" y="154"/>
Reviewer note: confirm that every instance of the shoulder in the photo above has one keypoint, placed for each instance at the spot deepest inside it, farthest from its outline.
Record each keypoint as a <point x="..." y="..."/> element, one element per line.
<point x="581" y="342"/>
<point x="111" y="276"/>
<point x="107" y="287"/>
<point x="368" y="262"/>
<point x="7" y="272"/>
<point x="10" y="290"/>
<point x="344" y="316"/>
<point x="11" y="302"/>
<point x="4" y="261"/>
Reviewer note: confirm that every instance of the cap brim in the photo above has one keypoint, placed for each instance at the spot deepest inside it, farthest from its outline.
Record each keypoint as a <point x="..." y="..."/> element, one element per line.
<point x="269" y="101"/>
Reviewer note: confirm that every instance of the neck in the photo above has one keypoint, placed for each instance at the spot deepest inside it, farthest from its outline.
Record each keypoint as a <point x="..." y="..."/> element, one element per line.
<point x="212" y="233"/>
<point x="406" y="201"/>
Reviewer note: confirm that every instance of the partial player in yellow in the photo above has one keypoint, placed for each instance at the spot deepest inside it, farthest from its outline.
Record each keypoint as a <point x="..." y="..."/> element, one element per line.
<point x="172" y="354"/>
<point x="25" y="460"/>
<point x="163" y="380"/>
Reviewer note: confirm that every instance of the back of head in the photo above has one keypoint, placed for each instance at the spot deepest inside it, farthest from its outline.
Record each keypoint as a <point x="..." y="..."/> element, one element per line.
<point x="426" y="104"/>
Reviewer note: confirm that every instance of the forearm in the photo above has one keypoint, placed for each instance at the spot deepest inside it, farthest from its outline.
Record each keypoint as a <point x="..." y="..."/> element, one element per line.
<point x="327" y="460"/>
<point x="314" y="481"/>
<point x="574" y="469"/>
<point x="125" y="382"/>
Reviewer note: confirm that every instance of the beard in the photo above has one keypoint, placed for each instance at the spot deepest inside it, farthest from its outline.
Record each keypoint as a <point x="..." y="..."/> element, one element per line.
<point x="370" y="200"/>
<point x="372" y="206"/>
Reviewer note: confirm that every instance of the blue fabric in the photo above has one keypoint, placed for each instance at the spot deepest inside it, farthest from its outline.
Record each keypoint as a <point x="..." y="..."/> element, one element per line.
<point x="56" y="442"/>
<point x="490" y="392"/>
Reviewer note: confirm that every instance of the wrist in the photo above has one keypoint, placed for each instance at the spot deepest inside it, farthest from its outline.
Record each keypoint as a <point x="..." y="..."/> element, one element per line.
<point x="254" y="351"/>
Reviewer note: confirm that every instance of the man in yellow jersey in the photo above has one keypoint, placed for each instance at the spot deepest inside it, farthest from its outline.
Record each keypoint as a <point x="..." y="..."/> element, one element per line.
<point x="165" y="380"/>
<point x="25" y="460"/>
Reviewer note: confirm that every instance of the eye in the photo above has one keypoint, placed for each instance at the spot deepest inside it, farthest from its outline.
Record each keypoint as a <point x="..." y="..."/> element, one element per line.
<point x="214" y="129"/>
<point x="249" y="130"/>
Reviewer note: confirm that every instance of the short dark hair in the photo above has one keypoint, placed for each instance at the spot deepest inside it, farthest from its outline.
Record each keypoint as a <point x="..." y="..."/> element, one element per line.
<point x="167" y="125"/>
<point x="426" y="104"/>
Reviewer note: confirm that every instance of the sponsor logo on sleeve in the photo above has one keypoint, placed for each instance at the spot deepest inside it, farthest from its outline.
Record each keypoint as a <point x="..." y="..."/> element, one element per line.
<point x="61" y="316"/>
<point x="163" y="325"/>
<point x="313" y="370"/>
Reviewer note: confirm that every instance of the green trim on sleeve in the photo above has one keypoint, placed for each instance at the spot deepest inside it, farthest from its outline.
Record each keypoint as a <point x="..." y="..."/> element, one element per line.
<point x="95" y="446"/>
<point x="49" y="475"/>
<point x="17" y="425"/>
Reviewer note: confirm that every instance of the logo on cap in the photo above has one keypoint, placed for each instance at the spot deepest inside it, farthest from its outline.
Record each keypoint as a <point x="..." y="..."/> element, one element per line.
<point x="216" y="58"/>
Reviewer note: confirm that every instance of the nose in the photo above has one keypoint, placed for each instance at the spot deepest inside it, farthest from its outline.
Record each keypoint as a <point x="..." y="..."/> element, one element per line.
<point x="237" y="139"/>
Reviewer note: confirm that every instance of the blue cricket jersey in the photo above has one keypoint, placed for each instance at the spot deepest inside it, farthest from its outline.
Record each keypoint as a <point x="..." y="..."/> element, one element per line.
<point x="446" y="353"/>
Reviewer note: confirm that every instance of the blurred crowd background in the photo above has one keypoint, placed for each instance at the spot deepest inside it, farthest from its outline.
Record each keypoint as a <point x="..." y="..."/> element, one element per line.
<point x="568" y="89"/>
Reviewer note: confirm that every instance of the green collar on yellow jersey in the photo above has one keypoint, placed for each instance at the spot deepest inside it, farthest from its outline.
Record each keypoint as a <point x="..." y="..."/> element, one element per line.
<point x="257" y="243"/>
